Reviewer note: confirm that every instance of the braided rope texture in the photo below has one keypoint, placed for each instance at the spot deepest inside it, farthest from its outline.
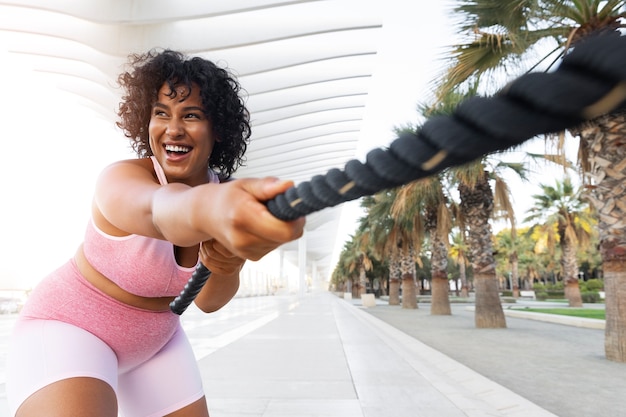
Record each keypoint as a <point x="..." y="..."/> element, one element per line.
<point x="591" y="81"/>
<point x="199" y="277"/>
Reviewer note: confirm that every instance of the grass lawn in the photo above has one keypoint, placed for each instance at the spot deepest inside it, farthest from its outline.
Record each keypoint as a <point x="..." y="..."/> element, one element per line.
<point x="577" y="312"/>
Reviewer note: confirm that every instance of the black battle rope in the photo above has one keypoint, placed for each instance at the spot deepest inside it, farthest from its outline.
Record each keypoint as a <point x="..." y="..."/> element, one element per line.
<point x="591" y="81"/>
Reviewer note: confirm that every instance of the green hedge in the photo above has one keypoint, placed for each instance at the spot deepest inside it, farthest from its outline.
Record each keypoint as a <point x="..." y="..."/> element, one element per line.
<point x="555" y="294"/>
<point x="591" y="297"/>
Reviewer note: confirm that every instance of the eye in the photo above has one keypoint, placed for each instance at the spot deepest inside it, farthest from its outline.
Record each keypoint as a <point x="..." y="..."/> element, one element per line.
<point x="195" y="116"/>
<point x="159" y="112"/>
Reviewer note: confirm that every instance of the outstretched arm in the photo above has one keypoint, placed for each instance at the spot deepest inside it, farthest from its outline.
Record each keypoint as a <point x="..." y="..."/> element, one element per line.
<point x="130" y="201"/>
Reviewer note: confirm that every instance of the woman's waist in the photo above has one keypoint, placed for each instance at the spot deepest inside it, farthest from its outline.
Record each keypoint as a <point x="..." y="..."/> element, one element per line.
<point x="134" y="333"/>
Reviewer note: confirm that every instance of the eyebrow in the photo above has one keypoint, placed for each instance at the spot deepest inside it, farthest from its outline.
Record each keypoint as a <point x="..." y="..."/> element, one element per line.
<point x="188" y="108"/>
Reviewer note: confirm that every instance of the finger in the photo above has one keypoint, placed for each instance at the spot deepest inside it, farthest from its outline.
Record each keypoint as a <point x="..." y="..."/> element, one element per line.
<point x="259" y="222"/>
<point x="221" y="250"/>
<point x="264" y="189"/>
<point x="214" y="252"/>
<point x="220" y="268"/>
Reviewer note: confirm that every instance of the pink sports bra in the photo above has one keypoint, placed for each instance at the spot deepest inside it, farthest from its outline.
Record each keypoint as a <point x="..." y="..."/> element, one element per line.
<point x="141" y="265"/>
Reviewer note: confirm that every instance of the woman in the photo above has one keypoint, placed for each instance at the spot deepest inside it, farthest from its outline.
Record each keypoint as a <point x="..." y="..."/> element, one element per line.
<point x="98" y="332"/>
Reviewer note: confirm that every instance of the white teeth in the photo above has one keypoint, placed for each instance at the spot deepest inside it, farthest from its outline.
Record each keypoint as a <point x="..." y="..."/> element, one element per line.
<point x="176" y="148"/>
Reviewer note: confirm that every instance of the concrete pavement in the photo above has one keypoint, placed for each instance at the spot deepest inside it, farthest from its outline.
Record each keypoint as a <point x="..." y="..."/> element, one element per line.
<point x="558" y="364"/>
<point x="328" y="357"/>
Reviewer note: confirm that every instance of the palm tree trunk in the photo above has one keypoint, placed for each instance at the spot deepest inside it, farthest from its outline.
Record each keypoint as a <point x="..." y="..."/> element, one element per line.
<point x="489" y="313"/>
<point x="409" y="293"/>
<point x="603" y="140"/>
<point x="440" y="300"/>
<point x="394" y="291"/>
<point x="477" y="206"/>
<point x="394" y="281"/>
<point x="570" y="273"/>
<point x="615" y="301"/>
<point x="362" y="281"/>
<point x="515" y="275"/>
<point x="463" y="277"/>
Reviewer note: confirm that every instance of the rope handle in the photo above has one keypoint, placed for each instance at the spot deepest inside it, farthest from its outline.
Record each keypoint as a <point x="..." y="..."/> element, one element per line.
<point x="199" y="277"/>
<point x="590" y="82"/>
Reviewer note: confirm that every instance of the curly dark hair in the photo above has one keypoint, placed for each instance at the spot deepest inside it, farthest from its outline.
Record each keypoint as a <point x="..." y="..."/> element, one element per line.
<point x="219" y="92"/>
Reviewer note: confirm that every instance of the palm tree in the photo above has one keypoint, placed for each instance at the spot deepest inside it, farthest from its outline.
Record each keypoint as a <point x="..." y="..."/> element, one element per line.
<point x="381" y="226"/>
<point x="515" y="253"/>
<point x="342" y="276"/>
<point x="477" y="208"/>
<point x="355" y="258"/>
<point x="479" y="204"/>
<point x="560" y="211"/>
<point x="339" y="276"/>
<point x="504" y="35"/>
<point x="395" y="279"/>
<point x="426" y="199"/>
<point x="459" y="252"/>
<point x="394" y="239"/>
<point x="532" y="259"/>
<point x="506" y="245"/>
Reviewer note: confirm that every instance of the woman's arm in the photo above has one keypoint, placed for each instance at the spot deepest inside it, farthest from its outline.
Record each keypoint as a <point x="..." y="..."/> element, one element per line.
<point x="224" y="281"/>
<point x="130" y="201"/>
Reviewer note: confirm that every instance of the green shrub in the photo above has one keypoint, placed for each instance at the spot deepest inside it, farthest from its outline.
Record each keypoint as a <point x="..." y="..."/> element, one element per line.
<point x="590" y="297"/>
<point x="539" y="287"/>
<point x="507" y="293"/>
<point x="541" y="295"/>
<point x="556" y="294"/>
<point x="594" y="285"/>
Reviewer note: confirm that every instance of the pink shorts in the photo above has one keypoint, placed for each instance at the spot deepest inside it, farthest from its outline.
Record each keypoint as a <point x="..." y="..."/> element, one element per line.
<point x="46" y="351"/>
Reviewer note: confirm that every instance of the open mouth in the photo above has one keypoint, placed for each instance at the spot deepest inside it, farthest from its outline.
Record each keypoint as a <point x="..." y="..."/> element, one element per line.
<point x="177" y="149"/>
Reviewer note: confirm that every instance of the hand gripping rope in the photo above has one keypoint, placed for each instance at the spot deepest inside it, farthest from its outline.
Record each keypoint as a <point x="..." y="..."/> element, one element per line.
<point x="591" y="81"/>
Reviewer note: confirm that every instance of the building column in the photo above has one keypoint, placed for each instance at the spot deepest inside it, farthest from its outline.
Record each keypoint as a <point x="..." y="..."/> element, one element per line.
<point x="282" y="281"/>
<point x="302" y="265"/>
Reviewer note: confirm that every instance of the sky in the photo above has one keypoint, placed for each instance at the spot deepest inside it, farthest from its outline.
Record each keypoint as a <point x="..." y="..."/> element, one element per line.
<point x="55" y="146"/>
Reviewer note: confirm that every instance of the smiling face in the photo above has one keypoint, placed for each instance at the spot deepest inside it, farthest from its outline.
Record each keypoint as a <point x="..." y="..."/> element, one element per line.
<point x="181" y="136"/>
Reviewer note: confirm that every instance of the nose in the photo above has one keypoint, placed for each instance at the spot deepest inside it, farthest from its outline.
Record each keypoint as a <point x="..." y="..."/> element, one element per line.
<point x="174" y="128"/>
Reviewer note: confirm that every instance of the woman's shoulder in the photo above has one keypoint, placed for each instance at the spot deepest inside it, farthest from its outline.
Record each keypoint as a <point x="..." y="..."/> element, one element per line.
<point x="138" y="162"/>
<point x="123" y="190"/>
<point x="126" y="167"/>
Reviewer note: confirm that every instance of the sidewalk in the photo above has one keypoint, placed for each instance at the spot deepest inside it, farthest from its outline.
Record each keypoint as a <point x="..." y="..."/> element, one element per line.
<point x="560" y="367"/>
<point x="327" y="357"/>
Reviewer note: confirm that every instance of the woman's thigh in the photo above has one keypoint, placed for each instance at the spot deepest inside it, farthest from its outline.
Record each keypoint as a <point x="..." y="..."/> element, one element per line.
<point x="167" y="384"/>
<point x="52" y="363"/>
<point x="71" y="397"/>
